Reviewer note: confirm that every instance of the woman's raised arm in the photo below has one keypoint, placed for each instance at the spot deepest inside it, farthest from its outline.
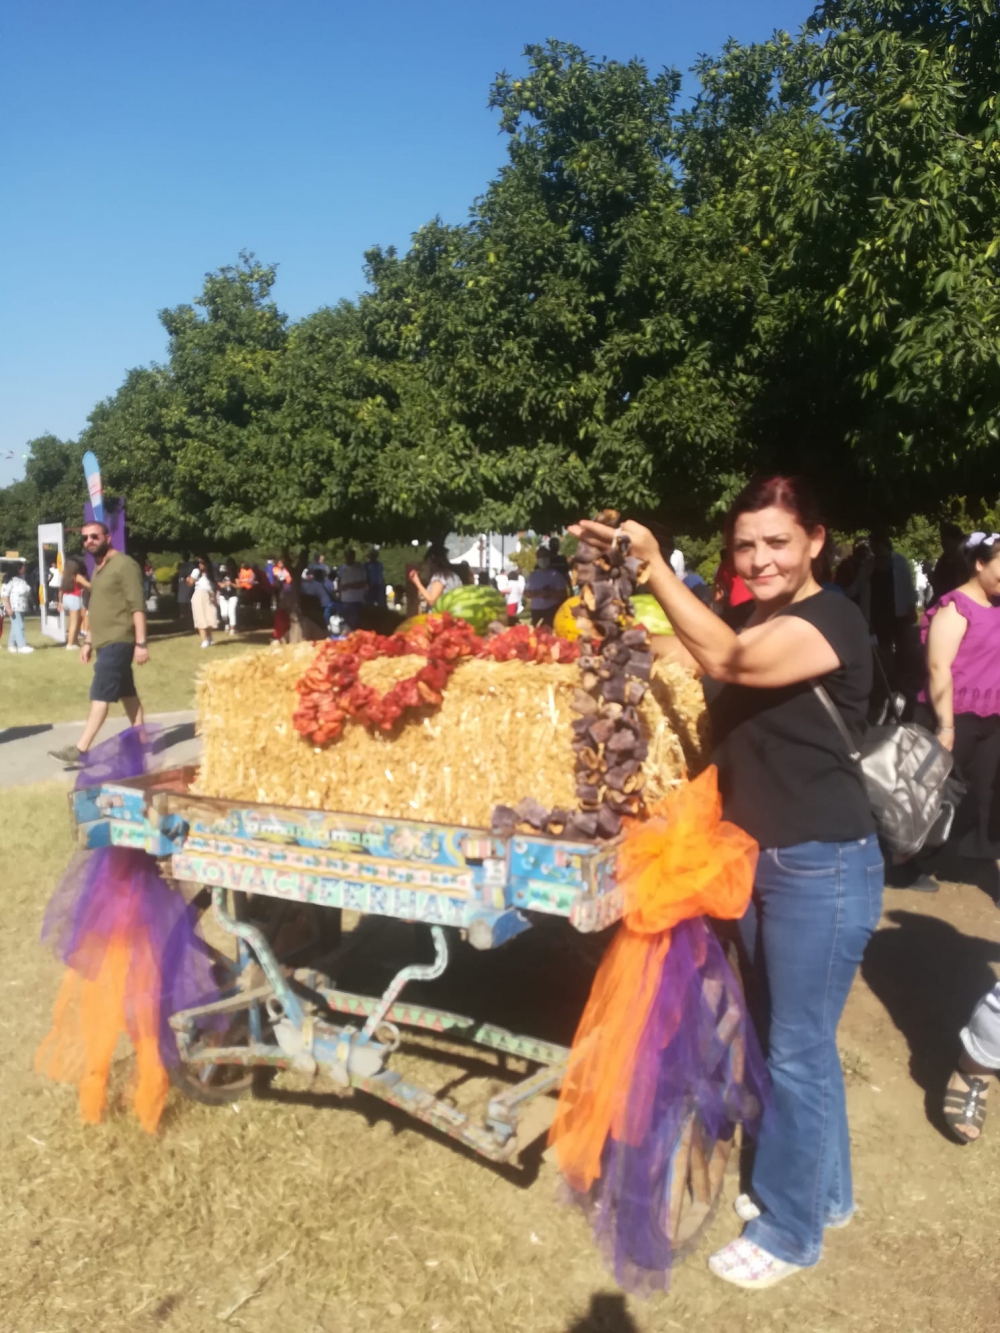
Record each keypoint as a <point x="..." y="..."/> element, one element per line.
<point x="784" y="650"/>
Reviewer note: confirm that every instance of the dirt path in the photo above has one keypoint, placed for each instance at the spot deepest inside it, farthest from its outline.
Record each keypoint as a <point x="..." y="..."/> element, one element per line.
<point x="312" y="1216"/>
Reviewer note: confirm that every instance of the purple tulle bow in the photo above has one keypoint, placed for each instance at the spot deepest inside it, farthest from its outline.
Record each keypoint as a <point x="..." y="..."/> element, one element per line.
<point x="118" y="892"/>
<point x="702" y="1074"/>
<point x="128" y="754"/>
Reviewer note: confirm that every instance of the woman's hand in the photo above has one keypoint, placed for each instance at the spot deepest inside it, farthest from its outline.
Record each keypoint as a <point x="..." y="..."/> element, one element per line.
<point x="644" y="544"/>
<point x="946" y="735"/>
<point x="413" y="575"/>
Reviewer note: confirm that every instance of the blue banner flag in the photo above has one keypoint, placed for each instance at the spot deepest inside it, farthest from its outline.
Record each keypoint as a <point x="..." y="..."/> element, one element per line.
<point x="92" y="471"/>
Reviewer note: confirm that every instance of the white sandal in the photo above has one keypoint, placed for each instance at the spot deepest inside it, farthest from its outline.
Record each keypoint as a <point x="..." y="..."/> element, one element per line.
<point x="745" y="1208"/>
<point x="746" y="1265"/>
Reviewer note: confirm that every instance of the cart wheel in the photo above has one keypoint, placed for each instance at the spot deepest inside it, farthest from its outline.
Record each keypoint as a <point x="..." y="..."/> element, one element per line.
<point x="700" y="1161"/>
<point x="215" y="1085"/>
<point x="696" y="1186"/>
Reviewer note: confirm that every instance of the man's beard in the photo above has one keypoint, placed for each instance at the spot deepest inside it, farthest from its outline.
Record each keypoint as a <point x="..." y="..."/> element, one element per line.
<point x="99" y="552"/>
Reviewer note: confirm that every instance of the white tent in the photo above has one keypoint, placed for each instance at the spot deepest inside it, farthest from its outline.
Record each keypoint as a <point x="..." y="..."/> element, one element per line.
<point x="490" y="551"/>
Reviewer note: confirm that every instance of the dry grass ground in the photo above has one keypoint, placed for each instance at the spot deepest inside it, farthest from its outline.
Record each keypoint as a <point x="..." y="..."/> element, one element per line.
<point x="304" y="1215"/>
<point x="51" y="685"/>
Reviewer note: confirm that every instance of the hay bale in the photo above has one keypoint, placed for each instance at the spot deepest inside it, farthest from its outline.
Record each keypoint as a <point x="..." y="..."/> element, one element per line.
<point x="675" y="715"/>
<point x="502" y="733"/>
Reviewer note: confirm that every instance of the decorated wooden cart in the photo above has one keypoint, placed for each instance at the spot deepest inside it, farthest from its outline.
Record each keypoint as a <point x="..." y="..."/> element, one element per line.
<point x="462" y="884"/>
<point x="514" y="782"/>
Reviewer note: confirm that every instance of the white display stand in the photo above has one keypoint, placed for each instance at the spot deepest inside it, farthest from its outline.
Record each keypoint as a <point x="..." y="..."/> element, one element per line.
<point x="50" y="551"/>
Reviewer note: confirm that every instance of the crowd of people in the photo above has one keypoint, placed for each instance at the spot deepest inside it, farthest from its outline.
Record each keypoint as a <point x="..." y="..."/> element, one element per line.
<point x="66" y="590"/>
<point x="230" y="597"/>
<point x="542" y="591"/>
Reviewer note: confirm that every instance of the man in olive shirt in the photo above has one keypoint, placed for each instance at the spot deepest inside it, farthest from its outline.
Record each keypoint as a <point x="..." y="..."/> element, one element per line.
<point x="117" y="635"/>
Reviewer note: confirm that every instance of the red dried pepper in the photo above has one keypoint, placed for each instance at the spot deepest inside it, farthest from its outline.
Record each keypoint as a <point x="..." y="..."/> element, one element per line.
<point x="331" y="691"/>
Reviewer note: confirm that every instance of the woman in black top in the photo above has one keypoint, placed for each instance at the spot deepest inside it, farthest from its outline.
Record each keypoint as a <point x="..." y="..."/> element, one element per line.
<point x="786" y="778"/>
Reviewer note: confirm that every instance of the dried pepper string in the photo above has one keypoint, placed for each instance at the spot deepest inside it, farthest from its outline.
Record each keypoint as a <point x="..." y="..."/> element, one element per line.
<point x="332" y="692"/>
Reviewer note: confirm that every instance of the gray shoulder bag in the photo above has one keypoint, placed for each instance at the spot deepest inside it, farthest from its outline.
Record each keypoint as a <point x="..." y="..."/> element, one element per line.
<point x="904" y="770"/>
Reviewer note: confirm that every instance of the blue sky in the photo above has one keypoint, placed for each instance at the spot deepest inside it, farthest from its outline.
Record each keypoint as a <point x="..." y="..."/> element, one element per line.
<point x="143" y="144"/>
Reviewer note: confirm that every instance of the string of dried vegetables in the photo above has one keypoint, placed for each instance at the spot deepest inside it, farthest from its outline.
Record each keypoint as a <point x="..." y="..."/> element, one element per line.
<point x="615" y="665"/>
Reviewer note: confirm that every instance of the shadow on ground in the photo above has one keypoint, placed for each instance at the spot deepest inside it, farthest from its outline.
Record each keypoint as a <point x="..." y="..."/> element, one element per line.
<point x="607" y="1314"/>
<point x="160" y="630"/>
<point x="946" y="864"/>
<point x="20" y="733"/>
<point x="928" y="975"/>
<point x="175" y="735"/>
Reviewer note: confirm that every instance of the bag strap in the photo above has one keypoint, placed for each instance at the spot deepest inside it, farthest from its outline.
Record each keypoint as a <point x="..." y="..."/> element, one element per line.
<point x="833" y="712"/>
<point x="889" y="692"/>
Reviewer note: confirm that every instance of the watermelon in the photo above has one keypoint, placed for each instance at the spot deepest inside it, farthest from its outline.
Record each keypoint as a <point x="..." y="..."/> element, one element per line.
<point x="477" y="605"/>
<point x="650" y="614"/>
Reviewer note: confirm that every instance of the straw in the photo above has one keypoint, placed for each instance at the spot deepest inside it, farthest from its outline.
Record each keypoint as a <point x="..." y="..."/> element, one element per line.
<point x="503" y="732"/>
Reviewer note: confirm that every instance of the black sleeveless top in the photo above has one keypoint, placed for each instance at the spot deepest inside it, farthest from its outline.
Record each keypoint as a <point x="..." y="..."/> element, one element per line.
<point x="784" y="771"/>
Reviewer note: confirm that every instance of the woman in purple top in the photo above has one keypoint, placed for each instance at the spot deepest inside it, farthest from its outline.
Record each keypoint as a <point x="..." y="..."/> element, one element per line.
<point x="962" y="633"/>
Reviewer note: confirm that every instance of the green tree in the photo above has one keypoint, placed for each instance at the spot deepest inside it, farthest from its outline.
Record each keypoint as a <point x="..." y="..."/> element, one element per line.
<point x="860" y="162"/>
<point x="53" y="491"/>
<point x="574" y="344"/>
<point x="183" y="440"/>
<point x="798" y="271"/>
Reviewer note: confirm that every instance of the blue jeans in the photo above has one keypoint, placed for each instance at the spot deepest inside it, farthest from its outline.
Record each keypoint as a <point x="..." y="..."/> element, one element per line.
<point x="813" y="910"/>
<point x="17" y="639"/>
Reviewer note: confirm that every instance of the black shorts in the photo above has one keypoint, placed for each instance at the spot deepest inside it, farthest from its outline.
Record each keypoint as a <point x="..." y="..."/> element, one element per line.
<point x="113" y="679"/>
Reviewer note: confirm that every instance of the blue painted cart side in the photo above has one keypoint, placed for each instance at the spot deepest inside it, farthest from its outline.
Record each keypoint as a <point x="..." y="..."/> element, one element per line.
<point x="486" y="886"/>
<point x="441" y="874"/>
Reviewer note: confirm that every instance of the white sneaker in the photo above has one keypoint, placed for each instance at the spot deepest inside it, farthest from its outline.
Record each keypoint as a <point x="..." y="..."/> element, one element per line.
<point x="746" y="1265"/>
<point x="205" y="643"/>
<point x="26" y="649"/>
<point x="72" y="647"/>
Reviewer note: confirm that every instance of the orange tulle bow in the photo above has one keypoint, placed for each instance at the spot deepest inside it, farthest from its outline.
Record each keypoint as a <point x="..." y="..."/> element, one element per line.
<point x="113" y="990"/>
<point x="683" y="861"/>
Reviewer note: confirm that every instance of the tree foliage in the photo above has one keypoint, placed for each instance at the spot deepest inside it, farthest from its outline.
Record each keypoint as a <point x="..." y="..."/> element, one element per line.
<point x="799" y="270"/>
<point x="863" y="162"/>
<point x="183" y="441"/>
<point x="52" y="491"/>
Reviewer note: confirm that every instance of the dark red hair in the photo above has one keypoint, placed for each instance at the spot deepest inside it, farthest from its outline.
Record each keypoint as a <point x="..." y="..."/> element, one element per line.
<point x="793" y="494"/>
